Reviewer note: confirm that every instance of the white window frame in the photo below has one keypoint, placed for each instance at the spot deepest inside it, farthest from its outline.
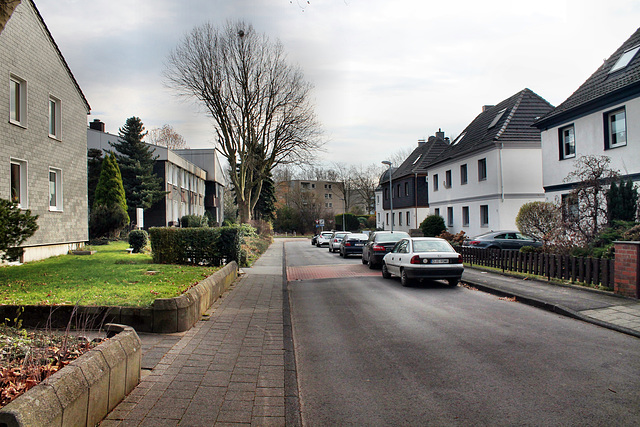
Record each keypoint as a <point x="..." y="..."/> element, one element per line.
<point x="436" y="184"/>
<point x="482" y="169"/>
<point x="22" y="201"/>
<point x="408" y="218"/>
<point x="55" y="118"/>
<point x="611" y="132"/>
<point x="484" y="215"/>
<point x="464" y="174"/>
<point x="465" y="216"/>
<point x="567" y="136"/>
<point x="447" y="179"/>
<point x="17" y="113"/>
<point x="450" y="216"/>
<point x="57" y="207"/>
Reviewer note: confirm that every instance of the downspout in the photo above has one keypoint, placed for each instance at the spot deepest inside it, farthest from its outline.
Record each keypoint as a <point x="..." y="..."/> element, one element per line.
<point x="415" y="189"/>
<point x="501" y="174"/>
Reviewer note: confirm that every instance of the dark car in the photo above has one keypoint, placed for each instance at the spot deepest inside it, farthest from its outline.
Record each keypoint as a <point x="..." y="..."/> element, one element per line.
<point x="379" y="243"/>
<point x="505" y="239"/>
<point x="352" y="244"/>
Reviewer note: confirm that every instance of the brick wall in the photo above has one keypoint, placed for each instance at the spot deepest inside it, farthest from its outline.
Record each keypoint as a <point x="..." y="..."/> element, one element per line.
<point x="627" y="269"/>
<point x="28" y="53"/>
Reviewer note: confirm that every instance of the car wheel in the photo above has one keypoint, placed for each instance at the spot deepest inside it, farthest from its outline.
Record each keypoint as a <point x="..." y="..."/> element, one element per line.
<point x="453" y="282"/>
<point x="341" y="254"/>
<point x="364" y="261"/>
<point x="404" y="280"/>
<point x="372" y="265"/>
<point x="385" y="272"/>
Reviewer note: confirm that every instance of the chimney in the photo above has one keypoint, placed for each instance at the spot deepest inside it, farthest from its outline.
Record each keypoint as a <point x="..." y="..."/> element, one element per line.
<point x="486" y="107"/>
<point x="96" y="124"/>
<point x="421" y="141"/>
<point x="440" y="134"/>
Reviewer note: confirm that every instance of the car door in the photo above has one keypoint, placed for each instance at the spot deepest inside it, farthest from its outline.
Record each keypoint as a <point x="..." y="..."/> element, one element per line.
<point x="396" y="255"/>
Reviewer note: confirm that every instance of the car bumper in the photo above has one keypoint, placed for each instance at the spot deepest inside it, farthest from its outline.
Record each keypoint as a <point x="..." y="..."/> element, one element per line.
<point x="452" y="272"/>
<point x="353" y="251"/>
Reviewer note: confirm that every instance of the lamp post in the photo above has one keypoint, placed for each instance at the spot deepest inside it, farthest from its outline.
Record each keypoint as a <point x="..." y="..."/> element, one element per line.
<point x="388" y="163"/>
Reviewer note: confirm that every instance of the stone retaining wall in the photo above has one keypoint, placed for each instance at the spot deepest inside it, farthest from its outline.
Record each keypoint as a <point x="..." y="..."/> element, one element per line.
<point x="84" y="391"/>
<point x="165" y="315"/>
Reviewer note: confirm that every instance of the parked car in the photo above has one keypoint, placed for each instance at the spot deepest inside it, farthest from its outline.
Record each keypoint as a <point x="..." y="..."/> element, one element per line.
<point x="379" y="243"/>
<point x="314" y="239"/>
<point x="323" y="238"/>
<point x="505" y="239"/>
<point x="352" y="244"/>
<point x="336" y="239"/>
<point x="423" y="258"/>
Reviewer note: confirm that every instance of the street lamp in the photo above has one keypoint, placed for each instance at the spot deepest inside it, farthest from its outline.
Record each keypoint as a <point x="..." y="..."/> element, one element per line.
<point x="388" y="163"/>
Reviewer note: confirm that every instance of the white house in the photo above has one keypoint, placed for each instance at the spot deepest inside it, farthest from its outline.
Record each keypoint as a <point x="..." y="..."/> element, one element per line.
<point x="602" y="117"/>
<point x="43" y="137"/>
<point x="492" y="168"/>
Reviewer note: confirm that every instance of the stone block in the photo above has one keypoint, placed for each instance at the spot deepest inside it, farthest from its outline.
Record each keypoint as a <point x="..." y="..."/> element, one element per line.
<point x="39" y="406"/>
<point x="96" y="371"/>
<point x="71" y="387"/>
<point x="165" y="317"/>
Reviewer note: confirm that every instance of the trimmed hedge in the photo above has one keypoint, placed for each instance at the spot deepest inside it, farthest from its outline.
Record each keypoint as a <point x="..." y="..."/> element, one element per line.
<point x="197" y="246"/>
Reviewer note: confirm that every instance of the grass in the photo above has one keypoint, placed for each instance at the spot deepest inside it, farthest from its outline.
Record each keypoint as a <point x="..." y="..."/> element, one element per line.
<point x="111" y="277"/>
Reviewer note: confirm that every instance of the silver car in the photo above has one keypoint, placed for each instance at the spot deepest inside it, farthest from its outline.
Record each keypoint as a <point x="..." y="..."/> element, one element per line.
<point x="423" y="258"/>
<point x="336" y="239"/>
<point x="323" y="238"/>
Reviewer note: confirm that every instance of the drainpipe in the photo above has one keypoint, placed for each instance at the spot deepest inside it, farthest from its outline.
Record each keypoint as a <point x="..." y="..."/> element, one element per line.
<point x="415" y="190"/>
<point x="501" y="174"/>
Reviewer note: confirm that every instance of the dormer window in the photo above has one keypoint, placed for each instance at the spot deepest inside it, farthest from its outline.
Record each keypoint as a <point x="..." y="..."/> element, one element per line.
<point x="458" y="139"/>
<point x="625" y="59"/>
<point x="496" y="118"/>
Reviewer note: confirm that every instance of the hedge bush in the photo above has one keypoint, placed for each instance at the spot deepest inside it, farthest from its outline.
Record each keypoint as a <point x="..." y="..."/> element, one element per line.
<point x="198" y="246"/>
<point x="191" y="221"/>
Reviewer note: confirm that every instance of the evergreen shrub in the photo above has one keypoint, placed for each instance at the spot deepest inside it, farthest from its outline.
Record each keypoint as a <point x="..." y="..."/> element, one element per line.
<point x="192" y="221"/>
<point x="138" y="239"/>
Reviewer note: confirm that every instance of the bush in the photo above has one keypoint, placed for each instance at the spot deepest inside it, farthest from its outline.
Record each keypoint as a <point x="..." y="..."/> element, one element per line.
<point x="16" y="226"/>
<point x="632" y="234"/>
<point x="432" y="226"/>
<point x="138" y="239"/>
<point x="351" y="222"/>
<point x="455" y="239"/>
<point x="539" y="220"/>
<point x="107" y="221"/>
<point x="193" y="221"/>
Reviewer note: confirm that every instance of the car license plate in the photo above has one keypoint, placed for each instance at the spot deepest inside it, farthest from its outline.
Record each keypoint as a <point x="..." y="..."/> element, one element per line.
<point x="440" y="261"/>
<point x="359" y="244"/>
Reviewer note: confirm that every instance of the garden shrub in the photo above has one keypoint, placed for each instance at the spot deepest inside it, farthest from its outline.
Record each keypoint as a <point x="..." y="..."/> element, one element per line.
<point x="455" y="239"/>
<point x="107" y="220"/>
<point x="351" y="222"/>
<point x="433" y="225"/>
<point x="138" y="239"/>
<point x="193" y="221"/>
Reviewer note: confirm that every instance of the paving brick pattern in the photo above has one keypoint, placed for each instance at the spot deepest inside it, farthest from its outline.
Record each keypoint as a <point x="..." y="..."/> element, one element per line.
<point x="627" y="316"/>
<point x="314" y="272"/>
<point x="228" y="369"/>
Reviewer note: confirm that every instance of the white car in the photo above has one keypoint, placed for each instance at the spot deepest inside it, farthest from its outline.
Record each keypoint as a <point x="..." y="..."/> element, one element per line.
<point x="323" y="238"/>
<point x="336" y="239"/>
<point x="423" y="258"/>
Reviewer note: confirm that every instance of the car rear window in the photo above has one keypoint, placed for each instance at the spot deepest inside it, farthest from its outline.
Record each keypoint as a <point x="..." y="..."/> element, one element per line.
<point x="431" y="246"/>
<point x="390" y="237"/>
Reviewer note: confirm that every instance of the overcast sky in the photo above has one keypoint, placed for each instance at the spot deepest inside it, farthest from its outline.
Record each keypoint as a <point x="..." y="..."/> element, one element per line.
<point x="386" y="73"/>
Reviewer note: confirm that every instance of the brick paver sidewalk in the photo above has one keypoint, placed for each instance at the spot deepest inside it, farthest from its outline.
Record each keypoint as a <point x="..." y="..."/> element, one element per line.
<point x="228" y="369"/>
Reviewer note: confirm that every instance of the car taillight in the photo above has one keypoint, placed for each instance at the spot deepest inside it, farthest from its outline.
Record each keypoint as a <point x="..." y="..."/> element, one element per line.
<point x="416" y="260"/>
<point x="459" y="259"/>
<point x="379" y="248"/>
<point x="474" y="242"/>
<point x="347" y="244"/>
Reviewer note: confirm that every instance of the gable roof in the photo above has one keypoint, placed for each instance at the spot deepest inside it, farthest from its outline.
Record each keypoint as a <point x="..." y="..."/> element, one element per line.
<point x="57" y="49"/>
<point x="508" y="121"/>
<point x="603" y="87"/>
<point x="422" y="155"/>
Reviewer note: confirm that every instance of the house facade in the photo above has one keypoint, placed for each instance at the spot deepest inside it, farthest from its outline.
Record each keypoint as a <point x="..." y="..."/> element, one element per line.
<point x="491" y="169"/>
<point x="43" y="139"/>
<point x="600" y="118"/>
<point x="408" y="186"/>
<point x="192" y="178"/>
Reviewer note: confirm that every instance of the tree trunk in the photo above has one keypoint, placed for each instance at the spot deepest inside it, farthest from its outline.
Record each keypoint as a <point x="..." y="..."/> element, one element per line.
<point x="244" y="211"/>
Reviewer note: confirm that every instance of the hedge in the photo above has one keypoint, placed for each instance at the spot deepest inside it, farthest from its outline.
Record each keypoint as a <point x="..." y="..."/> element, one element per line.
<point x="197" y="246"/>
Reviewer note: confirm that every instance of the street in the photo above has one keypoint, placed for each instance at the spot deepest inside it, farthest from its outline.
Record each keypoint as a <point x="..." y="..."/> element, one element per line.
<point x="370" y="352"/>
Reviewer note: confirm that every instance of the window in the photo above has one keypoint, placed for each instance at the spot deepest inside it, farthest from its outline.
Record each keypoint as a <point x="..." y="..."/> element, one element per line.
<point x="465" y="216"/>
<point x="18" y="101"/>
<point x="450" y="216"/>
<point x="567" y="142"/>
<point x="19" y="183"/>
<point x="326" y="196"/>
<point x="497" y="118"/>
<point x="625" y="59"/>
<point x="408" y="218"/>
<point x="615" y="125"/>
<point x="55" y="122"/>
<point x="393" y="218"/>
<point x="330" y="204"/>
<point x="463" y="174"/>
<point x="400" y="218"/>
<point x="406" y="188"/>
<point x="398" y="190"/>
<point x="436" y="211"/>
<point x="378" y="217"/>
<point x="447" y="179"/>
<point x="387" y="219"/>
<point x="458" y="139"/>
<point x="482" y="169"/>
<point x="484" y="215"/>
<point x="435" y="182"/>
<point x="313" y="186"/>
<point x="55" y="189"/>
<point x="570" y="208"/>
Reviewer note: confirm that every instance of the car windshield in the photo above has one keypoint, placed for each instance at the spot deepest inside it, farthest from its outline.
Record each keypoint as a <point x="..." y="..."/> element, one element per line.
<point x="431" y="246"/>
<point x="390" y="237"/>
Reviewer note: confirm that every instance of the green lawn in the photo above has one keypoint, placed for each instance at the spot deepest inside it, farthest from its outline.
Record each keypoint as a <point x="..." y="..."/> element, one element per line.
<point x="109" y="277"/>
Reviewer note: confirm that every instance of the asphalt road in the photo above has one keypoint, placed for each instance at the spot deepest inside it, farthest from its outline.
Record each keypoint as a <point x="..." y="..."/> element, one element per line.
<point x="370" y="352"/>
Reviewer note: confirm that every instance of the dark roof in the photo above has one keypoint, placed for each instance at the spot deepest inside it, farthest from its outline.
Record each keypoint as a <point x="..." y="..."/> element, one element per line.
<point x="423" y="154"/>
<point x="602" y="88"/>
<point x="507" y="121"/>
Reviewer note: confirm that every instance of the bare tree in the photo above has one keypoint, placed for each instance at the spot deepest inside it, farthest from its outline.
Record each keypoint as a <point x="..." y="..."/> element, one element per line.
<point x="365" y="182"/>
<point x="260" y="103"/>
<point x="592" y="177"/>
<point x="167" y="137"/>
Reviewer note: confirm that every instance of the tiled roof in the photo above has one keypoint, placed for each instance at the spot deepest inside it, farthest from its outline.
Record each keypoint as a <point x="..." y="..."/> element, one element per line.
<point x="508" y="121"/>
<point x="424" y="153"/>
<point x="602" y="86"/>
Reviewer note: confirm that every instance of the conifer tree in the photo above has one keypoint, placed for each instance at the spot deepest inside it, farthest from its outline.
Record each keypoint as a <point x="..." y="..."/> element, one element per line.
<point x="94" y="166"/>
<point x="142" y="187"/>
<point x="622" y="201"/>
<point x="109" y="213"/>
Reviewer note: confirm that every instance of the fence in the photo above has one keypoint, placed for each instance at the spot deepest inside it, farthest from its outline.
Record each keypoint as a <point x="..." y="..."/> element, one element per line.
<point x="595" y="271"/>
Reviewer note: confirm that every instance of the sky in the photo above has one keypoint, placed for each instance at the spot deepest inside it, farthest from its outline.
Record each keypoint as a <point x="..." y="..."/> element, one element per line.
<point x="385" y="73"/>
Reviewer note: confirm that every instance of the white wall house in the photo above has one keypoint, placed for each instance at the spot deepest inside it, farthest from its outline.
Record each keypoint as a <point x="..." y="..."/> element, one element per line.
<point x="602" y="117"/>
<point x="43" y="139"/>
<point x="492" y="168"/>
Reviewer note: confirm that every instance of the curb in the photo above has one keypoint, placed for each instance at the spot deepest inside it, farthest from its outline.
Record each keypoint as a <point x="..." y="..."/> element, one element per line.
<point x="84" y="391"/>
<point x="555" y="308"/>
<point x="165" y="315"/>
